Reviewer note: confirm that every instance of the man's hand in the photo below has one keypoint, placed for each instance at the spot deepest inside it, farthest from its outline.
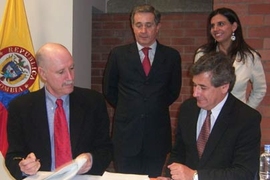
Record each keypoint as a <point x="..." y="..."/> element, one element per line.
<point x="30" y="165"/>
<point x="87" y="165"/>
<point x="163" y="178"/>
<point x="181" y="172"/>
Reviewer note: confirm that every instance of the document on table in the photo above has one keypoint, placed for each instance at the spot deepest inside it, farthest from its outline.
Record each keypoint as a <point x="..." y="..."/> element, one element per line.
<point x="42" y="175"/>
<point x="120" y="176"/>
<point x="106" y="176"/>
<point x="67" y="172"/>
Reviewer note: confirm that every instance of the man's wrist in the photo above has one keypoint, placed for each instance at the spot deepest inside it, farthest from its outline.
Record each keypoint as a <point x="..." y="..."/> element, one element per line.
<point x="195" y="175"/>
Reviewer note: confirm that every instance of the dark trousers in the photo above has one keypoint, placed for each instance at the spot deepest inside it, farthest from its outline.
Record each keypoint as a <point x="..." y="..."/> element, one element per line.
<point x="139" y="164"/>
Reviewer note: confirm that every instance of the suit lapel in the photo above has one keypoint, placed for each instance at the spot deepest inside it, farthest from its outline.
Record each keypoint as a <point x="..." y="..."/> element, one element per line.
<point x="76" y="118"/>
<point x="39" y="110"/>
<point x="134" y="58"/>
<point x="194" y="115"/>
<point x="218" y="130"/>
<point x="158" y="60"/>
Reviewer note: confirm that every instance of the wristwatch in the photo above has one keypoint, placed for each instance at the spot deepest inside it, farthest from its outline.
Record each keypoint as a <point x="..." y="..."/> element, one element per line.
<point x="195" y="175"/>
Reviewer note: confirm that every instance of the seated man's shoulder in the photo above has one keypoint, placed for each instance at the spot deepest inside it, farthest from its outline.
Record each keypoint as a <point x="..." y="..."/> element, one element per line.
<point x="27" y="97"/>
<point x="243" y="112"/>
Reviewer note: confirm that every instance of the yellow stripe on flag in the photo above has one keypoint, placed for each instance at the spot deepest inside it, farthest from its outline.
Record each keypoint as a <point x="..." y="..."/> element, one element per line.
<point x="14" y="31"/>
<point x="18" y="67"/>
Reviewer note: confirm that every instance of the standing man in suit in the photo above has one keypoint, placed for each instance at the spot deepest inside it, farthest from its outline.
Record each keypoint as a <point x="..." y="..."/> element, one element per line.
<point x="31" y="120"/>
<point x="142" y="128"/>
<point x="233" y="147"/>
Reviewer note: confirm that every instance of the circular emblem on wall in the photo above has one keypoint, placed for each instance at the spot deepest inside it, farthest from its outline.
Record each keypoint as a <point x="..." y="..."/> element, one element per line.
<point x="18" y="69"/>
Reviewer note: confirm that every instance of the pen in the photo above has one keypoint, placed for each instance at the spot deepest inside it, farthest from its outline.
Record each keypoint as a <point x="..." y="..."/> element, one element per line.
<point x="18" y="158"/>
<point x="21" y="158"/>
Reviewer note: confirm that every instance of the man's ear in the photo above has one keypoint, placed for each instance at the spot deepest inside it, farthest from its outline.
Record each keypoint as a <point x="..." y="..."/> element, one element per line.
<point x="225" y="88"/>
<point x="158" y="26"/>
<point x="42" y="73"/>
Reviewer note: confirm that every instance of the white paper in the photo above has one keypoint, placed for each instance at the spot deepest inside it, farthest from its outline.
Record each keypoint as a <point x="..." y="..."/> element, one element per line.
<point x="120" y="176"/>
<point x="65" y="173"/>
<point x="4" y="173"/>
<point x="87" y="177"/>
<point x="69" y="172"/>
<point x="43" y="174"/>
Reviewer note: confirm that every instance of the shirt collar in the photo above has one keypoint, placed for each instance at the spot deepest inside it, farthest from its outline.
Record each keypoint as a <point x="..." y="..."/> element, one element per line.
<point x="52" y="99"/>
<point x="216" y="110"/>
<point x="153" y="46"/>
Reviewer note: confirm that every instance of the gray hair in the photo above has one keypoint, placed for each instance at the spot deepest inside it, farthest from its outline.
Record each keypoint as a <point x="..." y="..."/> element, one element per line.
<point x="145" y="8"/>
<point x="220" y="67"/>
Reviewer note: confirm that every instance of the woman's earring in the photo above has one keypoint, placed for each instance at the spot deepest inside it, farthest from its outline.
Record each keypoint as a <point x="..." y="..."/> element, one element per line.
<point x="233" y="37"/>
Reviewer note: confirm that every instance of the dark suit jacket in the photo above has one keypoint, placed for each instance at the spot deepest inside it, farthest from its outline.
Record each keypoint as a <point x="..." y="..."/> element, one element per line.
<point x="142" y="118"/>
<point x="28" y="129"/>
<point x="233" y="148"/>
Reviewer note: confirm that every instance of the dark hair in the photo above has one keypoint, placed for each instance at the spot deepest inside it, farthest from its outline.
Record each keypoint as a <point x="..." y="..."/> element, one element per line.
<point x="220" y="67"/>
<point x="145" y="8"/>
<point x="239" y="45"/>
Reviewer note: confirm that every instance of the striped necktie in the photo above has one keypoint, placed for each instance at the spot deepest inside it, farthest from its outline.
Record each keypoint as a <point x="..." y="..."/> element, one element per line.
<point x="204" y="134"/>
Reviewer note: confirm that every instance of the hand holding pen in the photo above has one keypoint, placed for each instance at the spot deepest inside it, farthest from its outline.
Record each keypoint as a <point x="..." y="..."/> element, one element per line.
<point x="29" y="165"/>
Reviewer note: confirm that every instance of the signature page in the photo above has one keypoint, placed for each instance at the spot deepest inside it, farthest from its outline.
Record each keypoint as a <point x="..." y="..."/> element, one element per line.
<point x="120" y="176"/>
<point x="66" y="172"/>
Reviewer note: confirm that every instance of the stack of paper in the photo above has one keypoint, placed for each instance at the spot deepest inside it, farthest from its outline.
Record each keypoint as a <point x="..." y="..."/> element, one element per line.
<point x="119" y="176"/>
<point x="69" y="172"/>
<point x="65" y="173"/>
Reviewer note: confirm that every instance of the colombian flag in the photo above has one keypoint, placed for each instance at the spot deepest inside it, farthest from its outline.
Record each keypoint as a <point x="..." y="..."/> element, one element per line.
<point x="18" y="68"/>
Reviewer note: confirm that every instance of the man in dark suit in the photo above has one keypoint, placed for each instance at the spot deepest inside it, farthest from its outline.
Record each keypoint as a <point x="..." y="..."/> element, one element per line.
<point x="31" y="120"/>
<point x="233" y="147"/>
<point x="142" y="128"/>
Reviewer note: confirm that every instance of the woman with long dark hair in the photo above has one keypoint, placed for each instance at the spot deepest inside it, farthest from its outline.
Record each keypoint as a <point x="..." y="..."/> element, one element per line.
<point x="224" y="33"/>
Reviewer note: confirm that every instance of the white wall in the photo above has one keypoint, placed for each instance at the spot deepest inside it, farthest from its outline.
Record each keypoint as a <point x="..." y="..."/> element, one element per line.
<point x="49" y="21"/>
<point x="82" y="39"/>
<point x="55" y="21"/>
